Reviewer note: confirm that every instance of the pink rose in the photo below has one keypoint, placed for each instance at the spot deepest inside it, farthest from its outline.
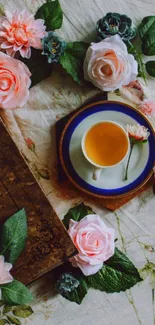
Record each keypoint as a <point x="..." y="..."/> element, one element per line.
<point x="147" y="107"/>
<point x="14" y="82"/>
<point x="108" y="65"/>
<point x="5" y="276"/>
<point x="133" y="92"/>
<point x="94" y="241"/>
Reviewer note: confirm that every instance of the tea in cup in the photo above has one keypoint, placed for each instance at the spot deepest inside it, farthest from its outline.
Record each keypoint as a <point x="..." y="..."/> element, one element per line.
<point x="105" y="145"/>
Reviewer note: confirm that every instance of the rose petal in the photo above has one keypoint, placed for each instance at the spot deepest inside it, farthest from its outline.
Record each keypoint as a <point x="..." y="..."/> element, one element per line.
<point x="89" y="269"/>
<point x="5" y="276"/>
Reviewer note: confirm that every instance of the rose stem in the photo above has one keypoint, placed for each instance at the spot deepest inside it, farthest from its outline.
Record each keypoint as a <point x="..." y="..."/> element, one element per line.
<point x="127" y="166"/>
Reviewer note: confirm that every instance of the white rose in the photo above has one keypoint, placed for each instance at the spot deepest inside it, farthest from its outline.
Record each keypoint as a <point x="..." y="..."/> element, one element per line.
<point x="108" y="65"/>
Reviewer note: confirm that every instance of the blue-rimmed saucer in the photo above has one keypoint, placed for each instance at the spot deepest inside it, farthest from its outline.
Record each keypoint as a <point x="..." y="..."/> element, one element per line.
<point x="111" y="183"/>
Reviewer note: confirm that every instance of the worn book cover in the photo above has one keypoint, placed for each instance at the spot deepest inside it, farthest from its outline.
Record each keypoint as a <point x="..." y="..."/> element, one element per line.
<point x="48" y="243"/>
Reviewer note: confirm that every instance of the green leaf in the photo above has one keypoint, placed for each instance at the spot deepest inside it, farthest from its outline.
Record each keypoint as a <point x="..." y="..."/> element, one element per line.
<point x="148" y="45"/>
<point x="150" y="68"/>
<point x="14" y="234"/>
<point x="77" y="213"/>
<point x="14" y="320"/>
<point x="43" y="173"/>
<point x="16" y="293"/>
<point x="51" y="13"/>
<point x="121" y="262"/>
<point x="117" y="274"/>
<point x="71" y="65"/>
<point x="72" y="60"/>
<point x="147" y="26"/>
<point x="7" y="309"/>
<point x="4" y="321"/>
<point x="72" y="288"/>
<point x="77" y="49"/>
<point x="22" y="311"/>
<point x="147" y="34"/>
<point x="39" y="66"/>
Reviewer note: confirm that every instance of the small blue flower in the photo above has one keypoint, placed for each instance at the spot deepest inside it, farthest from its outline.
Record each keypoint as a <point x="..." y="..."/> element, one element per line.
<point x="67" y="283"/>
<point x="53" y="47"/>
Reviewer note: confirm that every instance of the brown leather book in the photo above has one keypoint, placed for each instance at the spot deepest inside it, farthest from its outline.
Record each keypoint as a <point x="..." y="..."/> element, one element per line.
<point x="48" y="244"/>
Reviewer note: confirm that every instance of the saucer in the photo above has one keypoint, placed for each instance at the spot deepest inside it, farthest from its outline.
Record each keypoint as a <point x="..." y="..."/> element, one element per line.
<point x="111" y="183"/>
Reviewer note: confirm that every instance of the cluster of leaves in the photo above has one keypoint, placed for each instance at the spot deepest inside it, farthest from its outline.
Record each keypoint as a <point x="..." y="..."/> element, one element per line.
<point x="147" y="35"/>
<point x="73" y="56"/>
<point x="12" y="314"/>
<point x="144" y="44"/>
<point x="13" y="238"/>
<point x="117" y="274"/>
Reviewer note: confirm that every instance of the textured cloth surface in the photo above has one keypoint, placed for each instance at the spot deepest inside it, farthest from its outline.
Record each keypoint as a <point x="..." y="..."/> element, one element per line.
<point x="50" y="100"/>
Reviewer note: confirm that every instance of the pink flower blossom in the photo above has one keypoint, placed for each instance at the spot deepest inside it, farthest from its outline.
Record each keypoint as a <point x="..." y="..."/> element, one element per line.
<point x="133" y="92"/>
<point x="147" y="107"/>
<point x="14" y="82"/>
<point x="137" y="132"/>
<point x="30" y="144"/>
<point x="94" y="241"/>
<point x="19" y="31"/>
<point x="5" y="276"/>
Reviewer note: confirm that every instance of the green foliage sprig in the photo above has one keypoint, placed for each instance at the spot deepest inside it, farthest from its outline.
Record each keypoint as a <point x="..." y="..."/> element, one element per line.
<point x="12" y="243"/>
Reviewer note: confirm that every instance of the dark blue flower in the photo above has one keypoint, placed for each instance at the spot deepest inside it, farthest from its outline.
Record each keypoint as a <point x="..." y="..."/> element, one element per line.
<point x="114" y="23"/>
<point x="53" y="47"/>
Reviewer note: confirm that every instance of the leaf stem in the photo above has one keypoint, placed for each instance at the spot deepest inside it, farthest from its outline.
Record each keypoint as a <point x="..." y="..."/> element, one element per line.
<point x="136" y="52"/>
<point x="153" y="306"/>
<point x="131" y="300"/>
<point x="127" y="166"/>
<point x="141" y="66"/>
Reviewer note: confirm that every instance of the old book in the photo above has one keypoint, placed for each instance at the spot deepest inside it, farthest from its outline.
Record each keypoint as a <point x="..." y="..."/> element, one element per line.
<point x="48" y="244"/>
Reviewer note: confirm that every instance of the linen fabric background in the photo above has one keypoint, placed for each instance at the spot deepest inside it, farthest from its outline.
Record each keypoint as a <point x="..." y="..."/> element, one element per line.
<point x="134" y="223"/>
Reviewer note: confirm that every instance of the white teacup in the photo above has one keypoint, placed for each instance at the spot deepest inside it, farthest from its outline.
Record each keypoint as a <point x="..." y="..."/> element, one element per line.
<point x="98" y="168"/>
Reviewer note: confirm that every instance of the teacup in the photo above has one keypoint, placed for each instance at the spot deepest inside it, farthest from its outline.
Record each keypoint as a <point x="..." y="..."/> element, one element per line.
<point x="105" y="144"/>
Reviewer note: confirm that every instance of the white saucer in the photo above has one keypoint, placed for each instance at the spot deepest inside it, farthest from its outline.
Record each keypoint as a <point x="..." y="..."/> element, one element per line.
<point x="111" y="182"/>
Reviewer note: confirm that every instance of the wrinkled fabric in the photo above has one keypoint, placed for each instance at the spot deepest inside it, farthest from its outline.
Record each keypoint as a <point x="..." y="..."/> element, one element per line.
<point x="134" y="223"/>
